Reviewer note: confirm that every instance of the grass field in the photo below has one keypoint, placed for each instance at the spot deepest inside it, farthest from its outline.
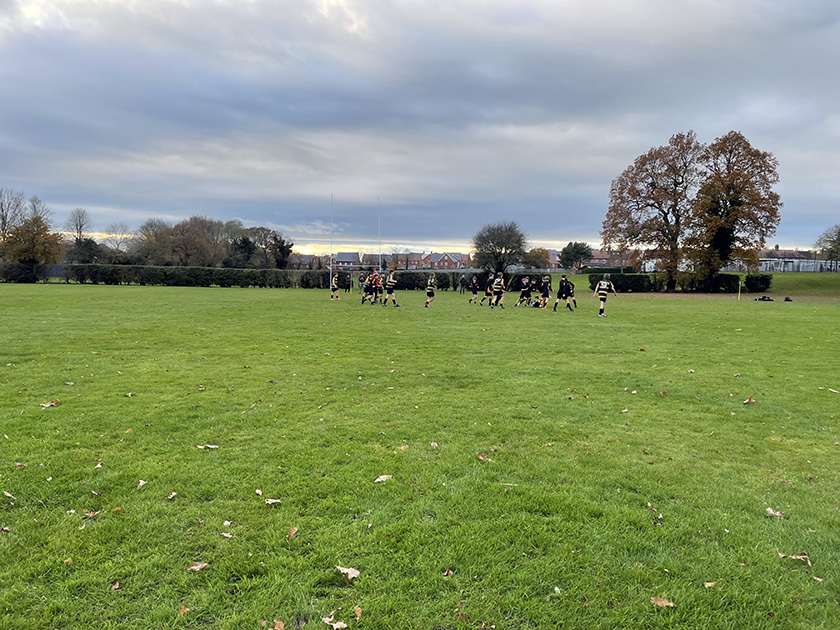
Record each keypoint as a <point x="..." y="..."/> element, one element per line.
<point x="546" y="470"/>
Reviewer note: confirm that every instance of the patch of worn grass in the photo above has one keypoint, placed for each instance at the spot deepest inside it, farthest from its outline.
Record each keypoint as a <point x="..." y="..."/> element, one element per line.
<point x="547" y="469"/>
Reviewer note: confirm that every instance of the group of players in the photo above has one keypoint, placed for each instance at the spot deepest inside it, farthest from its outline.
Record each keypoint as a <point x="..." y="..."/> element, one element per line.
<point x="375" y="284"/>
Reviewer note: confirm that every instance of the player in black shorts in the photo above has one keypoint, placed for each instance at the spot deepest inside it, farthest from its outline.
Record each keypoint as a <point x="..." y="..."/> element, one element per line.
<point x="525" y="293"/>
<point x="334" y="288"/>
<point x="498" y="291"/>
<point x="601" y="290"/>
<point x="545" y="291"/>
<point x="564" y="292"/>
<point x="488" y="290"/>
<point x="390" y="284"/>
<point x="430" y="290"/>
<point x="474" y="289"/>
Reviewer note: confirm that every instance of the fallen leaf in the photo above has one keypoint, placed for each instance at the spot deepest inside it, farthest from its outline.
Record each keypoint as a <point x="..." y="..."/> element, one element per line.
<point x="183" y="610"/>
<point x="141" y="484"/>
<point x="814" y="576"/>
<point x="448" y="572"/>
<point x="115" y="586"/>
<point x="433" y="444"/>
<point x="350" y="573"/>
<point x="661" y="602"/>
<point x="749" y="400"/>
<point x="278" y="625"/>
<point x="68" y="383"/>
<point x="197" y="566"/>
<point x="128" y="395"/>
<point x="382" y="478"/>
<point x="337" y="625"/>
<point x="772" y="512"/>
<point x="404" y="447"/>
<point x="624" y="410"/>
<point x="172" y="495"/>
<point x="52" y="403"/>
<point x="99" y="465"/>
<point x="259" y="492"/>
<point x="5" y="530"/>
<point x="709" y="584"/>
<point x="798" y="556"/>
<point x="484" y="457"/>
<point x="6" y="494"/>
<point x="68" y="561"/>
<point x="226" y="535"/>
<point x="89" y="513"/>
<point x="272" y="501"/>
<point x="691" y="371"/>
<point x="292" y="532"/>
<point x="358" y="611"/>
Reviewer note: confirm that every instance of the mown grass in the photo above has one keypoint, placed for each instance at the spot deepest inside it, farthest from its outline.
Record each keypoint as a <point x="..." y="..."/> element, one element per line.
<point x="548" y="470"/>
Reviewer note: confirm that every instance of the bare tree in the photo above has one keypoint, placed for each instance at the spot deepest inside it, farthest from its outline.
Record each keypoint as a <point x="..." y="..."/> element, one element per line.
<point x="499" y="245"/>
<point x="154" y="242"/>
<point x="11" y="211"/>
<point x="119" y="237"/>
<point x="37" y="207"/>
<point x="78" y="224"/>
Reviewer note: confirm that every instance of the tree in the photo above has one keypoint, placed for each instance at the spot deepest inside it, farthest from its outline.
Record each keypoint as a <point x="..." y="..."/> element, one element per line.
<point x="78" y="224"/>
<point x="154" y="242"/>
<point x="11" y="211"/>
<point x="828" y="246"/>
<point x="537" y="258"/>
<point x="499" y="245"/>
<point x="273" y="245"/>
<point x="85" y="251"/>
<point x="652" y="201"/>
<point x="118" y="237"/>
<point x="574" y="255"/>
<point x="36" y="207"/>
<point x="736" y="208"/>
<point x="33" y="242"/>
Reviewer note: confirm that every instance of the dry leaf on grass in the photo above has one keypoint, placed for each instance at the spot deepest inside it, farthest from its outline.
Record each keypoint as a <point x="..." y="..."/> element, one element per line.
<point x="6" y="494"/>
<point x="5" y="530"/>
<point x="226" y="535"/>
<point x="662" y="602"/>
<point x="172" y="495"/>
<point x="272" y="501"/>
<point x="358" y="611"/>
<point x="798" y="556"/>
<point x="349" y="572"/>
<point x="115" y="586"/>
<point x="141" y="484"/>
<point x="183" y="610"/>
<point x="483" y="457"/>
<point x="382" y="478"/>
<point x="433" y="444"/>
<point x="404" y="447"/>
<point x="52" y="403"/>
<point x="772" y="512"/>
<point x="749" y="400"/>
<point x="335" y="625"/>
<point x="197" y="566"/>
<point x="292" y="532"/>
<point x="709" y="584"/>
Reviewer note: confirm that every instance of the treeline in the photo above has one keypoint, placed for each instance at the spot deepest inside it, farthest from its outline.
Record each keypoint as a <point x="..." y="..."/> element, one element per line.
<point x="686" y="282"/>
<point x="28" y="236"/>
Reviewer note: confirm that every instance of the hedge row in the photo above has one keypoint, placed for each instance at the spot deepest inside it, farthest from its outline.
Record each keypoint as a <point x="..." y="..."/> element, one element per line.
<point x="687" y="282"/>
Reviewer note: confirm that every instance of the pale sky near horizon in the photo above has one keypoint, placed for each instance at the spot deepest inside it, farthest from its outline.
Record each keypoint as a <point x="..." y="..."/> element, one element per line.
<point x="422" y="119"/>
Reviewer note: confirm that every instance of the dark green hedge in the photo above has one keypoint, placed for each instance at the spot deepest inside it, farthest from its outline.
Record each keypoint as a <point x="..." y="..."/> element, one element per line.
<point x="23" y="273"/>
<point x="625" y="282"/>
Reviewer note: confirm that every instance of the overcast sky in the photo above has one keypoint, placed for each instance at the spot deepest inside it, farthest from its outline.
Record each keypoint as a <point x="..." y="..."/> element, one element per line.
<point x="423" y="119"/>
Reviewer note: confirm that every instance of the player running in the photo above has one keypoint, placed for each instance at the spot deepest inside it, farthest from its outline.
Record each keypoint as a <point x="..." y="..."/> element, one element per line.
<point x="602" y="290"/>
<point x="474" y="288"/>
<point x="430" y="290"/>
<point x="498" y="291"/>
<point x="488" y="290"/>
<point x="564" y="292"/>
<point x="525" y="293"/>
<point x="545" y="291"/>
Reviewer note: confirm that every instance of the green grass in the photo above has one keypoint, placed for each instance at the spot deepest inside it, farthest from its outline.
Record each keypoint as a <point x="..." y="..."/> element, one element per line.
<point x="556" y="525"/>
<point x="823" y="286"/>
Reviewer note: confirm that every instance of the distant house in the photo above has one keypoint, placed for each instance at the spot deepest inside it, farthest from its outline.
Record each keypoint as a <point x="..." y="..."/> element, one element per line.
<point x="603" y="258"/>
<point x="415" y="260"/>
<point x="302" y="261"/>
<point x="781" y="260"/>
<point x="446" y="260"/>
<point x="346" y="260"/>
<point x="373" y="260"/>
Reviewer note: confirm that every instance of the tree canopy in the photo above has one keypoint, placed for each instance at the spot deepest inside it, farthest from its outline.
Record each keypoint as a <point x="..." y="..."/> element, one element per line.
<point x="574" y="255"/>
<point x="499" y="245"/>
<point x="828" y="245"/>
<point x="537" y="258"/>
<point x="686" y="201"/>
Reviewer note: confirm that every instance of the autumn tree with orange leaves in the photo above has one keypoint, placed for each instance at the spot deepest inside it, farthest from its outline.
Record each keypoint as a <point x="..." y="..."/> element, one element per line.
<point x="710" y="205"/>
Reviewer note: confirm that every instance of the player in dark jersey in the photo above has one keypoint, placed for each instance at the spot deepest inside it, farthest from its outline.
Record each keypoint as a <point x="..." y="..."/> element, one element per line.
<point x="363" y="281"/>
<point x="334" y="288"/>
<point x="474" y="288"/>
<point x="390" y="285"/>
<point x="498" y="291"/>
<point x="430" y="290"/>
<point x="564" y="292"/>
<point x="602" y="289"/>
<point x="545" y="291"/>
<point x="525" y="293"/>
<point x="371" y="288"/>
<point x="488" y="290"/>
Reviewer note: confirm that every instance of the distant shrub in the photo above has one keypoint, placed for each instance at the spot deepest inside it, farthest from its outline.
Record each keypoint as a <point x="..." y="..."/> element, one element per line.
<point x="758" y="283"/>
